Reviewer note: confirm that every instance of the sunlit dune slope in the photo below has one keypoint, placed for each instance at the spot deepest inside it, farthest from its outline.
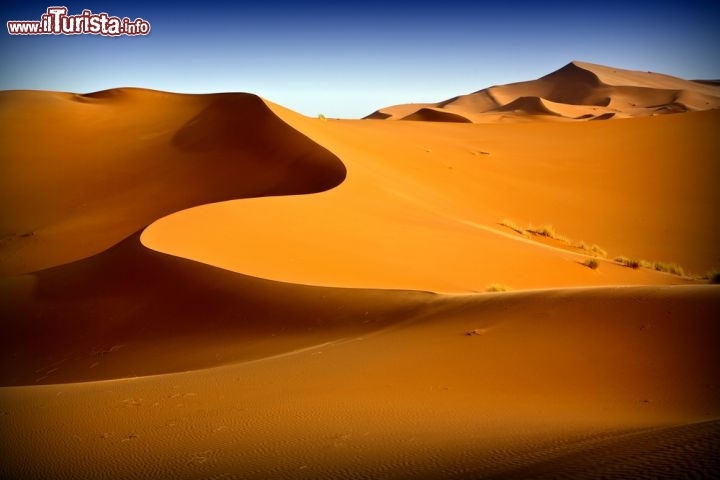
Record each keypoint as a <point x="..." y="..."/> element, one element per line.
<point x="579" y="90"/>
<point x="422" y="203"/>
<point x="81" y="172"/>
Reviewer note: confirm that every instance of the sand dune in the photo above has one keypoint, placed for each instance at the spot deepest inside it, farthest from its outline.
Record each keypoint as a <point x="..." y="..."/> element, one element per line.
<point x="586" y="90"/>
<point x="424" y="214"/>
<point x="105" y="316"/>
<point x="436" y="115"/>
<point x="544" y="379"/>
<point x="529" y="106"/>
<point x="327" y="317"/>
<point x="131" y="157"/>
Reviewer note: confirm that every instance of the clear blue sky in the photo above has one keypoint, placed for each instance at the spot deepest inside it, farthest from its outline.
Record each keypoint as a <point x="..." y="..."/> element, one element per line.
<point x="349" y="58"/>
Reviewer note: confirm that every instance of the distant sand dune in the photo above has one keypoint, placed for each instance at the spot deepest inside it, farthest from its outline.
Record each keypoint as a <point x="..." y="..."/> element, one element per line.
<point x="594" y="91"/>
<point x="434" y="115"/>
<point x="528" y="106"/>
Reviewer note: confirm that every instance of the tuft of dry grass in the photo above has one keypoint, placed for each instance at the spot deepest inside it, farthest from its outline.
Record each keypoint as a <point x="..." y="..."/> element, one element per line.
<point x="593" y="249"/>
<point x="591" y="263"/>
<point x="673" y="268"/>
<point x="628" y="262"/>
<point x="512" y="226"/>
<point x="548" y="231"/>
<point x="497" y="287"/>
<point x="597" y="250"/>
<point x="544" y="231"/>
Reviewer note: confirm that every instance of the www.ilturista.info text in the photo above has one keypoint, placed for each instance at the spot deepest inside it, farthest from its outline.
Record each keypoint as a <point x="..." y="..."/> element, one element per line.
<point x="57" y="22"/>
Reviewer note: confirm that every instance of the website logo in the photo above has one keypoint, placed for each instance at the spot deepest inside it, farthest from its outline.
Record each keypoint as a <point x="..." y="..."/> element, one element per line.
<point x="57" y="22"/>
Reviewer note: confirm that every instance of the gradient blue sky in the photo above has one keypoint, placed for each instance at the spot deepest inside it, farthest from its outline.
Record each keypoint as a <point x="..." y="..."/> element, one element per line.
<point x="346" y="59"/>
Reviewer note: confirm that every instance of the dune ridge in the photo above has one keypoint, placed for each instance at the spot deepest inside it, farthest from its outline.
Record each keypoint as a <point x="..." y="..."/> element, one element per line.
<point x="137" y="155"/>
<point x="579" y="91"/>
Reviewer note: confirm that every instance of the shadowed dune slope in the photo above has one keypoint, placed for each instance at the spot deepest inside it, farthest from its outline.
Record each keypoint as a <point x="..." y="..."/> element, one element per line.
<point x="106" y="316"/>
<point x="542" y="378"/>
<point x="398" y="111"/>
<point x="103" y="165"/>
<point x="593" y="90"/>
<point x="129" y="311"/>
<point x="434" y="115"/>
<point x="528" y="106"/>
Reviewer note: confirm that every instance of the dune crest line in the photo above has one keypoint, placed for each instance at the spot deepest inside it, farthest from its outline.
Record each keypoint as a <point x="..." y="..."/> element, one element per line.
<point x="149" y="154"/>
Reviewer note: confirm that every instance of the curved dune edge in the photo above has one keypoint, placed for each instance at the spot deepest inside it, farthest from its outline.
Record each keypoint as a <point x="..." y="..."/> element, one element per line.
<point x="112" y="162"/>
<point x="154" y="305"/>
<point x="441" y="202"/>
<point x="153" y="302"/>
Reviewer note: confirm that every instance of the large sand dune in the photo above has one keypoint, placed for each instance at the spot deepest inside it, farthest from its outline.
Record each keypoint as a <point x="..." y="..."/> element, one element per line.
<point x="544" y="380"/>
<point x="579" y="91"/>
<point x="327" y="318"/>
<point x="423" y="201"/>
<point x="104" y="165"/>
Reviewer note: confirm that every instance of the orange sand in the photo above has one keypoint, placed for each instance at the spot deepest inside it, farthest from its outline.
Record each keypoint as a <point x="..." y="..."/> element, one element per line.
<point x="327" y="318"/>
